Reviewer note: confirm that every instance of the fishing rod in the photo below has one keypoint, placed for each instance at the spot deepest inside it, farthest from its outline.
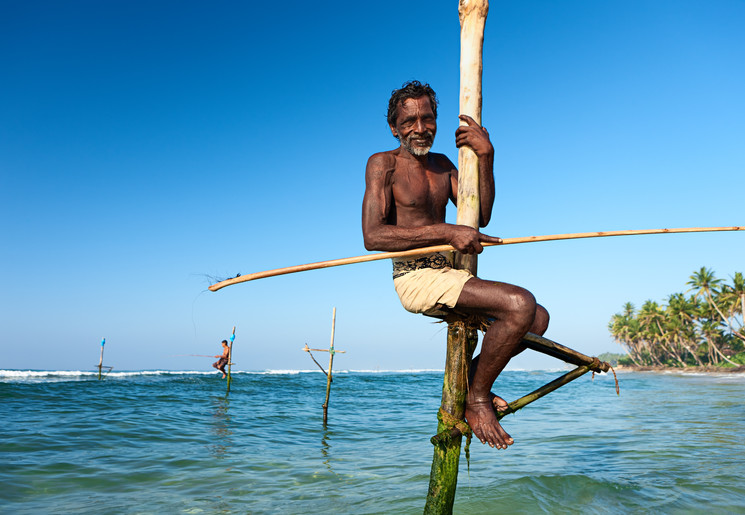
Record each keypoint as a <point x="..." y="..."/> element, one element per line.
<point x="444" y="248"/>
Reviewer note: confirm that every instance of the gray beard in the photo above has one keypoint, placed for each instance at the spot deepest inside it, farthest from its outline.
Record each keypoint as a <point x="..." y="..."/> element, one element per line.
<point x="417" y="151"/>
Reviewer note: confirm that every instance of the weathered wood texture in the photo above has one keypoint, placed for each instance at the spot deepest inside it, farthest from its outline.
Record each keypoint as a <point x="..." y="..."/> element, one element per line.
<point x="443" y="477"/>
<point x="472" y="15"/>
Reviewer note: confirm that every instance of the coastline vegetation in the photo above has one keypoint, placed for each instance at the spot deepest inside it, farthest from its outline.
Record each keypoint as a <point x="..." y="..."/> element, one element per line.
<point x="702" y="327"/>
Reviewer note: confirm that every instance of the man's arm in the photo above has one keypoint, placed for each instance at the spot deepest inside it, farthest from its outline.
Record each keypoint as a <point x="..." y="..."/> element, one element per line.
<point x="477" y="138"/>
<point x="380" y="234"/>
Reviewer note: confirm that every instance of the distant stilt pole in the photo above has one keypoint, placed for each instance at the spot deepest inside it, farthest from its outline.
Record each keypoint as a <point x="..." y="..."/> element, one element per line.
<point x="331" y="352"/>
<point x="331" y="364"/>
<point x="100" y="361"/>
<point x="230" y="360"/>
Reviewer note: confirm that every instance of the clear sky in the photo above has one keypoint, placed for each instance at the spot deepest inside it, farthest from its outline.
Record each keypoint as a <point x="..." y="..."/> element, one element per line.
<point x="145" y="146"/>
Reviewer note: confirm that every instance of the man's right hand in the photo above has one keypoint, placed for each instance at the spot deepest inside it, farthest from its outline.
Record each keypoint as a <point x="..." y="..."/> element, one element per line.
<point x="467" y="240"/>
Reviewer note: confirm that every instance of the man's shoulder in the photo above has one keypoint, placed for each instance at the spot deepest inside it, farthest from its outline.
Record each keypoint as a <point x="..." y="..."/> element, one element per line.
<point x="385" y="157"/>
<point x="382" y="162"/>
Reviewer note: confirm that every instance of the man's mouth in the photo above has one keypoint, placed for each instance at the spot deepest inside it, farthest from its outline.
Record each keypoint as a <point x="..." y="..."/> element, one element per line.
<point x="422" y="141"/>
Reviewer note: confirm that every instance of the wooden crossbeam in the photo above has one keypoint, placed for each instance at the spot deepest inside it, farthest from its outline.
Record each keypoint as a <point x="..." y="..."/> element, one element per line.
<point x="551" y="348"/>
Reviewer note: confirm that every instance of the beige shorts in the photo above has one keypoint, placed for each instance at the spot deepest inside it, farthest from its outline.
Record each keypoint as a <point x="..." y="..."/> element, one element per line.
<point x="429" y="290"/>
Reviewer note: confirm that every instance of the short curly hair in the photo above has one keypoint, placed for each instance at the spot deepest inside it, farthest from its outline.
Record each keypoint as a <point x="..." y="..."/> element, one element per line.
<point x="410" y="89"/>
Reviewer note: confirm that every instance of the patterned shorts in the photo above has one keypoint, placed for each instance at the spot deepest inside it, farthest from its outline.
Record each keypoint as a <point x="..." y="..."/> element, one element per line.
<point x="428" y="285"/>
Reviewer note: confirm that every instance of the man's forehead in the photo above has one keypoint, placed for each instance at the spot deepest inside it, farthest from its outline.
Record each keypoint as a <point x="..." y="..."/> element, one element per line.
<point x="415" y="104"/>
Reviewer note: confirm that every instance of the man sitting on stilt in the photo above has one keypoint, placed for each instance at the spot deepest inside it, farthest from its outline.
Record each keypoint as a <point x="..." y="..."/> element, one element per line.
<point x="406" y="194"/>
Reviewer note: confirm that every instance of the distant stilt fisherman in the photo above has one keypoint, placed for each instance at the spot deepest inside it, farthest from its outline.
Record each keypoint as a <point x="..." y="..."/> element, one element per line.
<point x="223" y="359"/>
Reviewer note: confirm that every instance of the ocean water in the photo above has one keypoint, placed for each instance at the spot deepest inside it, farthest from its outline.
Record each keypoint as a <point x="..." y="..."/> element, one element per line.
<point x="173" y="442"/>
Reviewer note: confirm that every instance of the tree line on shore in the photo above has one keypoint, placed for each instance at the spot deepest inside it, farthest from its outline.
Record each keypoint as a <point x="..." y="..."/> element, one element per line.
<point x="701" y="327"/>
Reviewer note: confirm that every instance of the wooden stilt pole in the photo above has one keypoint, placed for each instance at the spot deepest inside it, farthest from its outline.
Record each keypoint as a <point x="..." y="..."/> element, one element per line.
<point x="328" y="374"/>
<point x="443" y="477"/>
<point x="100" y="361"/>
<point x="462" y="341"/>
<point x="230" y="360"/>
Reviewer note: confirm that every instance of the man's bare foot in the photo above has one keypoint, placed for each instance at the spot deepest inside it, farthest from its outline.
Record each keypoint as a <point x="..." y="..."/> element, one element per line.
<point x="224" y="376"/>
<point x="480" y="414"/>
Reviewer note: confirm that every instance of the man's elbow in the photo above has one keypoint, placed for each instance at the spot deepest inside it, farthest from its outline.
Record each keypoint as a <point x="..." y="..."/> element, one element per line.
<point x="372" y="239"/>
<point x="370" y="243"/>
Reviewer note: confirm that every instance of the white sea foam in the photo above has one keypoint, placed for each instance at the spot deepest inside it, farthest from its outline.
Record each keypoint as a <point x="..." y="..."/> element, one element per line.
<point x="61" y="375"/>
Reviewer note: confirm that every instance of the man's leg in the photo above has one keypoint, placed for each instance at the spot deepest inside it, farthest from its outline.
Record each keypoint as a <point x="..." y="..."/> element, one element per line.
<point x="540" y="324"/>
<point x="515" y="312"/>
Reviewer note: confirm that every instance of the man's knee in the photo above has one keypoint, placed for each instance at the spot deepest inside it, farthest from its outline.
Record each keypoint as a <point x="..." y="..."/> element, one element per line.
<point x="542" y="318"/>
<point x="521" y="308"/>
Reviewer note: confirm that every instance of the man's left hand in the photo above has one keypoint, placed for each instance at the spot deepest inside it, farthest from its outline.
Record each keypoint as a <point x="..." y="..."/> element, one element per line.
<point x="473" y="135"/>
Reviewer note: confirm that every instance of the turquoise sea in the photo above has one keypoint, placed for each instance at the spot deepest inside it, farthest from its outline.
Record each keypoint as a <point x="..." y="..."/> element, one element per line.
<point x="173" y="442"/>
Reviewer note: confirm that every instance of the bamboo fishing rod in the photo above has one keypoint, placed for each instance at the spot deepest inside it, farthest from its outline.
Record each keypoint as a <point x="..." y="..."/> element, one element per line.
<point x="445" y="248"/>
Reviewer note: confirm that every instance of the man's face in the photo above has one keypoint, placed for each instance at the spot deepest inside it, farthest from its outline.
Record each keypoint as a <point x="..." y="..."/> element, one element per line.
<point x="416" y="125"/>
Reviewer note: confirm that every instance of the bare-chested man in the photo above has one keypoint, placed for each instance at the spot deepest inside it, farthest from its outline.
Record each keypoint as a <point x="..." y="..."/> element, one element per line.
<point x="407" y="191"/>
<point x="223" y="359"/>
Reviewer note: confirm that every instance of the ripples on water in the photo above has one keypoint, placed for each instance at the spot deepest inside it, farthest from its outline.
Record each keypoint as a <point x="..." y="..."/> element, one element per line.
<point x="173" y="443"/>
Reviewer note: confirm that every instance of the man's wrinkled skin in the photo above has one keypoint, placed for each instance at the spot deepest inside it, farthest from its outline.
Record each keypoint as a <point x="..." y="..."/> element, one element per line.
<point x="407" y="191"/>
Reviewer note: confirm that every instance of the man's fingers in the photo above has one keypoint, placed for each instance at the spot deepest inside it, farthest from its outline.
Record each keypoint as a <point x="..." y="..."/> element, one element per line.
<point x="470" y="121"/>
<point x="489" y="239"/>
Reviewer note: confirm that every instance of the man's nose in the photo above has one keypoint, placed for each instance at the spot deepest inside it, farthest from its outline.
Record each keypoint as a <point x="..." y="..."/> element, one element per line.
<point x="419" y="126"/>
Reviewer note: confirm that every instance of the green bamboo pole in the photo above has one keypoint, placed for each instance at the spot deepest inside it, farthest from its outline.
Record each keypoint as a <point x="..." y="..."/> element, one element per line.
<point x="455" y="433"/>
<point x="544" y="345"/>
<point x="557" y="350"/>
<point x="230" y="361"/>
<point x="328" y="375"/>
<point x="544" y="390"/>
<point x="462" y="341"/>
<point x="443" y="477"/>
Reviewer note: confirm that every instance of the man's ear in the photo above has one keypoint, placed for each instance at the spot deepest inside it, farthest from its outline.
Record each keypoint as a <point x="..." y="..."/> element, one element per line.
<point x="393" y="131"/>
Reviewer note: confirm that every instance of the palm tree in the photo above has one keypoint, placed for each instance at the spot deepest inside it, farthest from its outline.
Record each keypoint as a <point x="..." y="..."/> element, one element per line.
<point x="624" y="327"/>
<point x="649" y="325"/>
<point x="680" y="313"/>
<point x="731" y="297"/>
<point x="706" y="283"/>
<point x="711" y="331"/>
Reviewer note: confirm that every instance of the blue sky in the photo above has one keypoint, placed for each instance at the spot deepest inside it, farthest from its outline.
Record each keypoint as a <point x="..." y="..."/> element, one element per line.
<point x="145" y="146"/>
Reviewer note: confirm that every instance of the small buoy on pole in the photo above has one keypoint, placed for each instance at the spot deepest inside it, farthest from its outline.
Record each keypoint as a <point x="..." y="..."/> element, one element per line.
<point x="230" y="359"/>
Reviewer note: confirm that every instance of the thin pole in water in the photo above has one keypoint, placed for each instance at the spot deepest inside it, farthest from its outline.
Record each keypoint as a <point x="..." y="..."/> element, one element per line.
<point x="100" y="361"/>
<point x="331" y="364"/>
<point x="230" y="360"/>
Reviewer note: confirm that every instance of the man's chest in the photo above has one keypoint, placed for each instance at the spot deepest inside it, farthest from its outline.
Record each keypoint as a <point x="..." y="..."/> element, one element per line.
<point x="421" y="188"/>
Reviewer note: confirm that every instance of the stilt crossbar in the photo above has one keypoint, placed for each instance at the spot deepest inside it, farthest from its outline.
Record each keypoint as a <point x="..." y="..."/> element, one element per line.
<point x="551" y="348"/>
